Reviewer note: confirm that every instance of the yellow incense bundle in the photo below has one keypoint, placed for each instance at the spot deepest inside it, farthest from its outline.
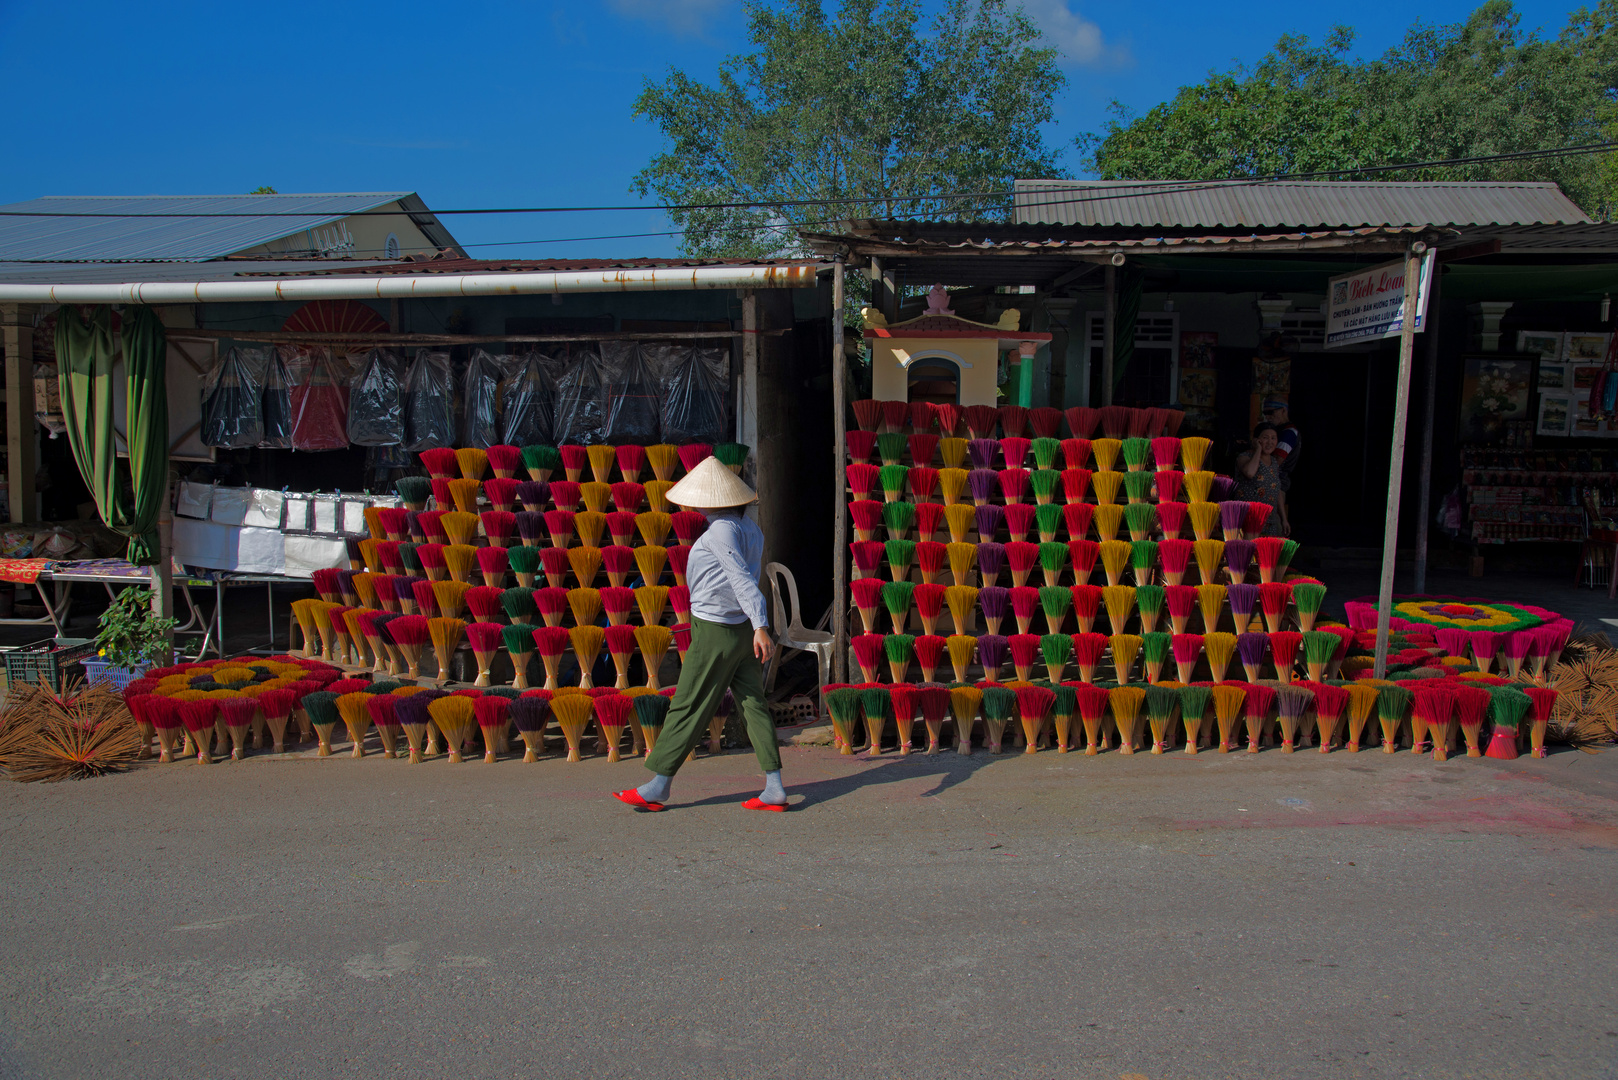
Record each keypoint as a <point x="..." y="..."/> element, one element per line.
<point x="1124" y="703"/>
<point x="1198" y="486"/>
<point x="1211" y="602"/>
<point x="473" y="462"/>
<point x="1106" y="486"/>
<point x="323" y="627"/>
<point x="453" y="716"/>
<point x="446" y="634"/>
<point x="356" y="635"/>
<point x="1210" y="555"/>
<point x="964" y="703"/>
<point x="586" y="642"/>
<point x="962" y="601"/>
<point x="952" y="484"/>
<point x="962" y="558"/>
<point x="365" y="589"/>
<point x="586" y="564"/>
<point x="589" y="525"/>
<point x="460" y="527"/>
<point x="1120" y="602"/>
<point x="1193" y="452"/>
<point x="461" y="561"/>
<point x="953" y="452"/>
<point x="356" y="717"/>
<point x="657" y="492"/>
<point x="602" y="459"/>
<point x="960" y="519"/>
<point x="450" y="597"/>
<point x="663" y="459"/>
<point x="1204" y="519"/>
<point x="595" y="496"/>
<point x="961" y="647"/>
<point x="1362" y="698"/>
<point x="651" y="599"/>
<point x="1125" y="647"/>
<point x="373" y="523"/>
<point x="465" y="494"/>
<point x="1106" y="453"/>
<point x="1220" y="648"/>
<point x="1115" y="559"/>
<point x="650" y="559"/>
<point x="1227" y="702"/>
<point x="304" y="612"/>
<point x="653" y="526"/>
<point x="585" y="603"/>
<point x="1108" y="517"/>
<point x="654" y="644"/>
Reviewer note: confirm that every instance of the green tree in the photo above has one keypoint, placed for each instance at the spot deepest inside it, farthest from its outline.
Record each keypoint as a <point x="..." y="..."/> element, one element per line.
<point x="1470" y="89"/>
<point x="862" y="106"/>
<point x="264" y="190"/>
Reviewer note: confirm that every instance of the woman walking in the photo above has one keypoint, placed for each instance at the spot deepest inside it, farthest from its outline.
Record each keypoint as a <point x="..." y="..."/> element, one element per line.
<point x="730" y="638"/>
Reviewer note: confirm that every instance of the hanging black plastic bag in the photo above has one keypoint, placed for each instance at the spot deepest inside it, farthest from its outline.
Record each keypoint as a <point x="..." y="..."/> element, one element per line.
<point x="575" y="371"/>
<point x="232" y="404"/>
<point x="526" y="396"/>
<point x="276" y="402"/>
<point x="429" y="403"/>
<point x="376" y="401"/>
<point x="632" y="397"/>
<point x="696" y="392"/>
<point x="480" y="396"/>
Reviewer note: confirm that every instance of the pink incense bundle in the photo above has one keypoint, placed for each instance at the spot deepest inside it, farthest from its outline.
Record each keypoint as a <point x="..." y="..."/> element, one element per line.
<point x="1075" y="484"/>
<point x="930" y="556"/>
<point x="1083" y="555"/>
<point x="895" y="415"/>
<point x="631" y="460"/>
<point x="1021" y="558"/>
<point x="1539" y="717"/>
<point x="493" y="562"/>
<point x="326" y="584"/>
<point x="551" y="603"/>
<point x="1284" y="645"/>
<point x="1517" y="644"/>
<point x="504" y="460"/>
<point x="867" y="414"/>
<point x="867" y="517"/>
<point x="923" y="482"/>
<point x="395" y="521"/>
<point x="922" y="416"/>
<point x="1257" y="514"/>
<point x="680" y="603"/>
<point x="575" y="459"/>
<point x="621" y="527"/>
<point x="1024" y="655"/>
<point x="483" y="601"/>
<point x="868" y="556"/>
<point x="1169" y="485"/>
<point x="860" y="444"/>
<point x="928" y="600"/>
<point x="1076" y="455"/>
<point x="948" y="419"/>
<point x="424" y="599"/>
<point x="1174" y="555"/>
<point x="1166" y="452"/>
<point x="1087" y="652"/>
<point x="929" y="652"/>
<point x="867" y="594"/>
<point x="1045" y="422"/>
<point x="1187" y="649"/>
<point x="618" y="561"/>
<point x="485" y="638"/>
<point x="440" y="462"/>
<point x="502" y="492"/>
<point x="1171" y="518"/>
<point x="922" y="447"/>
<point x="443" y="495"/>
<point x="618" y="603"/>
<point x="1180" y="601"/>
<point x="555" y="563"/>
<point x="1077" y="516"/>
<point x="1024" y="606"/>
<point x="1086" y="603"/>
<point x="680" y="554"/>
<point x="566" y="494"/>
<point x="1485" y="646"/>
<point x="928" y="517"/>
<point x="388" y="554"/>
<point x="628" y="495"/>
<point x="1082" y="421"/>
<point x="1013" y="419"/>
<point x="1019" y="518"/>
<point x="551" y="642"/>
<point x="688" y="525"/>
<point x="560" y="525"/>
<point x="387" y="594"/>
<point x="868" y="653"/>
<point x="621" y="646"/>
<point x="691" y="455"/>
<point x="1273" y="597"/>
<point x="1452" y="641"/>
<point x="1014" y="450"/>
<point x="431" y="523"/>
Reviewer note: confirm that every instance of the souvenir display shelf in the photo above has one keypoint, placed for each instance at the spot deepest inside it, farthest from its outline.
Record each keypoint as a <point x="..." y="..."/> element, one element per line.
<point x="1517" y="495"/>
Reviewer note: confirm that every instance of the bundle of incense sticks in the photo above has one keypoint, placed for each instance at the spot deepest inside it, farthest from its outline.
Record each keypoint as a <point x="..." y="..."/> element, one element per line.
<point x="1180" y="601"/>
<point x="897" y="518"/>
<point x="1091" y="702"/>
<point x="1124" y="648"/>
<point x="446" y="598"/>
<point x="962" y="648"/>
<point x="1187" y="649"/>
<point x="559" y="524"/>
<point x="498" y="526"/>
<point x="1162" y="704"/>
<point x="1120" y="603"/>
<point x="565" y="494"/>
<point x="454" y="716"/>
<point x="929" y="652"/>
<point x="595" y="496"/>
<point x="1086" y="603"/>
<point x="899" y="649"/>
<point x="1013" y="419"/>
<point x="551" y="642"/>
<point x="987" y="519"/>
<point x="1238" y="557"/>
<point x="868" y="653"/>
<point x="1052" y="558"/>
<point x="982" y="484"/>
<point x="575" y="459"/>
<point x="1124" y="703"/>
<point x="620" y="644"/>
<point x="687" y="525"/>
<point x="1024" y="649"/>
<point x="1034" y="705"/>
<point x="585" y="563"/>
<point x="664" y="459"/>
<point x="1220" y="648"/>
<point x="540" y="461"/>
<point x="619" y="562"/>
<point x="691" y="455"/>
<point x="1194" y="716"/>
<point x="321" y="708"/>
<point x="459" y="559"/>
<point x="1142" y="560"/>
<point x="876" y="705"/>
<point x="1393" y="708"/>
<point x="1260" y="698"/>
<point x="446" y="634"/>
<point x="1471" y="707"/>
<point x="1047" y="452"/>
<point x="1055" y="649"/>
<point x="1243" y="599"/>
<point x="1013" y="450"/>
<point x="1075" y="485"/>
<point x="952" y="485"/>
<point x="1290" y="705"/>
<point x="1362" y="699"/>
<point x="896" y="598"/>
<point x="1024" y="604"/>
<point x="586" y="641"/>
<point x="982" y="453"/>
<point x="1018" y="518"/>
<point x="1330" y="703"/>
<point x="1115" y="555"/>
<point x="1252" y="648"/>
<point x="1048" y="521"/>
<point x="618" y="602"/>
<point x="524" y="563"/>
<point x="991" y="556"/>
<point x="1083" y="555"/>
<point x="1273" y="599"/>
<point x="551" y="604"/>
<point x="518" y="639"/>
<point x="1106" y="520"/>
<point x="890" y="447"/>
<point x="1054" y="601"/>
<point x="585" y="604"/>
<point x="414" y="491"/>
<point x="999" y="707"/>
<point x="928" y="600"/>
<point x="992" y="651"/>
<point x="928" y="517"/>
<point x="556" y="564"/>
<point x="1253" y="523"/>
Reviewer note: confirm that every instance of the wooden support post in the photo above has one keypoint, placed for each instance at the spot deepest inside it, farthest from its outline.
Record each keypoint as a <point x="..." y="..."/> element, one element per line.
<point x="1424" y="511"/>
<point x="747" y="406"/>
<point x="1109" y="319"/>
<point x="1401" y="418"/>
<point x="162" y="575"/>
<point x="839" y="555"/>
<point x="18" y="320"/>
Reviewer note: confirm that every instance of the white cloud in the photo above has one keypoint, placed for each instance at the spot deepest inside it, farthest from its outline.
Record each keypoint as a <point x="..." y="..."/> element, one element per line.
<point x="681" y="16"/>
<point x="1078" y="38"/>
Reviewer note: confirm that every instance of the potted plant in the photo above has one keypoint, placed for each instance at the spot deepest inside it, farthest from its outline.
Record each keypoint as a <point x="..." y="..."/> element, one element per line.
<point x="132" y="637"/>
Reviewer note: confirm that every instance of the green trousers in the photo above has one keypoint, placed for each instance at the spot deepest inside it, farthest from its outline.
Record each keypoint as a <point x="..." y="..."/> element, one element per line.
<point x="720" y="658"/>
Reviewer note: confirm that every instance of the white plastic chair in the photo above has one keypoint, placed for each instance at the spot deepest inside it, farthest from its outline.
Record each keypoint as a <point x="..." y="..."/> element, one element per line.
<point x="790" y="634"/>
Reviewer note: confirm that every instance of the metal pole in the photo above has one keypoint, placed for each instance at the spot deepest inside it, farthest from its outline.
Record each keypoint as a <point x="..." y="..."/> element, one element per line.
<point x="1401" y="418"/>
<point x="839" y="555"/>
<point x="1110" y="317"/>
<point x="1424" y="513"/>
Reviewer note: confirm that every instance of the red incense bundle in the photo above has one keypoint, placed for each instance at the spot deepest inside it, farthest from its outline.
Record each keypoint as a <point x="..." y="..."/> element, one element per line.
<point x="1171" y="518"/>
<point x="493" y="562"/>
<point x="621" y="527"/>
<point x="1015" y="450"/>
<point x="551" y="602"/>
<point x="903" y="698"/>
<point x="619" y="604"/>
<point x="1544" y="699"/>
<point x="1485" y="646"/>
<point x="237" y="714"/>
<point x="621" y="645"/>
<point x="612" y="713"/>
<point x="947" y="417"/>
<point x="1082" y="554"/>
<point x="1013" y="419"/>
<point x="1021" y="558"/>
<point x="1284" y="645"/>
<point x="409" y="634"/>
<point x="867" y="413"/>
<point x="556" y="564"/>
<point x="1019" y="519"/>
<point x="929" y="653"/>
<point x="440" y="462"/>
<point x="1268" y="550"/>
<point x="631" y="461"/>
<point x="867" y="600"/>
<point x="1253" y="522"/>
<point x="1259" y="700"/>
<point x="981" y="421"/>
<point x="680" y="603"/>
<point x="691" y="455"/>
<point x="1175" y="556"/>
<point x="1034" y="705"/>
<point x="619" y="563"/>
<point x="1025" y="653"/>
<point x="326" y="584"/>
<point x="502" y="493"/>
<point x="492" y="714"/>
<point x="933" y="701"/>
<point x="868" y="556"/>
<point x="575" y="459"/>
<point x="1187" y="650"/>
<point x="688" y="525"/>
<point x="1088" y="649"/>
<point x="551" y="642"/>
<point x="1273" y="598"/>
<point x="627" y="496"/>
<point x="559" y="523"/>
<point x="483" y="601"/>
<point x="923" y="414"/>
<point x="928" y="600"/>
<point x="869" y="651"/>
<point x="1045" y="422"/>
<point x="1024" y="606"/>
<point x="485" y="639"/>
<point x="566" y="494"/>
<point x="443" y="494"/>
<point x="498" y="526"/>
<point x="930" y="556"/>
<point x="1432" y="713"/>
<point x="1092" y="703"/>
<point x="929" y="515"/>
<point x="1086" y="603"/>
<point x="1331" y="702"/>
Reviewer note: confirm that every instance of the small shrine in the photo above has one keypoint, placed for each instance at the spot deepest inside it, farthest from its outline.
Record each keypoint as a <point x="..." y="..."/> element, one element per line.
<point x="942" y="358"/>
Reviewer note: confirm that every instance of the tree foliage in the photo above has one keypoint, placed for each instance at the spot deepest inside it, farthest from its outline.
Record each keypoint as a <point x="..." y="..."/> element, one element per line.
<point x="861" y="105"/>
<point x="1470" y="89"/>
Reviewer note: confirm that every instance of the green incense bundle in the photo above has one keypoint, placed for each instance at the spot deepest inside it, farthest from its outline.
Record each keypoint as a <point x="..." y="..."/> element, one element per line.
<point x="891" y="446"/>
<point x="1056" y="649"/>
<point x="999" y="709"/>
<point x="507" y="692"/>
<point x="1507" y="707"/>
<point x="898" y="517"/>
<point x="542" y="458"/>
<point x="1062" y="710"/>
<point x="1043" y="483"/>
<point x="1392" y="706"/>
<point x="1054" y="600"/>
<point x="843" y="704"/>
<point x="1149" y="601"/>
<point x="893" y="479"/>
<point x="1048" y="521"/>
<point x="1137" y="452"/>
<point x="523" y="559"/>
<point x="652" y="709"/>
<point x="1053" y="556"/>
<point x="414" y="491"/>
<point x="896" y="598"/>
<point x="1046" y="451"/>
<point x="899" y="553"/>
<point x="1140" y="518"/>
<point x="878" y="709"/>
<point x="733" y="454"/>
<point x="518" y="638"/>
<point x="1308" y="596"/>
<point x="901" y="649"/>
<point x="1142" y="557"/>
<point x="1154" y="652"/>
<point x="1319" y="647"/>
<point x="1138" y="487"/>
<point x="519" y="605"/>
<point x="1407" y="674"/>
<point x="1161" y="704"/>
<point x="408" y="557"/>
<point x="1193" y="703"/>
<point x="1288" y="549"/>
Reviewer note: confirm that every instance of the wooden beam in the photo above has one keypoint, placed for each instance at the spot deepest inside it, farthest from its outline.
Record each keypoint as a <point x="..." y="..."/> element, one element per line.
<point x="1425" y="480"/>
<point x="839" y="397"/>
<point x="18" y="320"/>
<point x="311" y="338"/>
<point x="1109" y="319"/>
<point x="1396" y="462"/>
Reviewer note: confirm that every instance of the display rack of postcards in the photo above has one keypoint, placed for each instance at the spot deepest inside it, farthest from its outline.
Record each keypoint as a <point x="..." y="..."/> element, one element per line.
<point x="1515" y="495"/>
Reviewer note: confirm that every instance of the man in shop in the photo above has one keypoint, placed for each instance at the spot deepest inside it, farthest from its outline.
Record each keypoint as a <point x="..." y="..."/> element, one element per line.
<point x="730" y="638"/>
<point x="1289" y="441"/>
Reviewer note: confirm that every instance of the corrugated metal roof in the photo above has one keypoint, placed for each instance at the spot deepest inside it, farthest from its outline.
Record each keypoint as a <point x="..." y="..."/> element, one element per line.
<point x="495" y="266"/>
<point x="99" y="273"/>
<point x="1288" y="204"/>
<point x="180" y="239"/>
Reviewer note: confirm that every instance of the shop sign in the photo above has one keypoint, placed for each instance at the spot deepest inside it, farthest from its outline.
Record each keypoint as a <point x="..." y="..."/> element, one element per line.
<point x="1369" y="304"/>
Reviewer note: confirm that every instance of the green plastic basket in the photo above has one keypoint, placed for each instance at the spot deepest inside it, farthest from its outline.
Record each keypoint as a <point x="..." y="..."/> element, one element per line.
<point x="50" y="661"/>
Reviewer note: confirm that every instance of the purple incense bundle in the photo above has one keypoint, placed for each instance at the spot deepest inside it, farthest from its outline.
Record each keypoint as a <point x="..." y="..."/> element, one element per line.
<point x="982" y="452"/>
<point x="1221" y="488"/>
<point x="1251" y="648"/>
<point x="992" y="650"/>
<point x="992" y="602"/>
<point x="982" y="483"/>
<point x="1238" y="557"/>
<point x="991" y="557"/>
<point x="1243" y="598"/>
<point x="988" y="520"/>
<point x="404" y="588"/>
<point x="1231" y="516"/>
<point x="531" y="526"/>
<point x="418" y="532"/>
<point x="533" y="494"/>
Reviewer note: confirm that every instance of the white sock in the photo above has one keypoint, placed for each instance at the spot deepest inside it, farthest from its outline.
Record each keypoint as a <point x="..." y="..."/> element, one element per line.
<point x="773" y="793"/>
<point x="656" y="789"/>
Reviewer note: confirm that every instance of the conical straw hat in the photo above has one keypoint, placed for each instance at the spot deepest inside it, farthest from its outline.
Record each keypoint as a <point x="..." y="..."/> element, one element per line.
<point x="710" y="486"/>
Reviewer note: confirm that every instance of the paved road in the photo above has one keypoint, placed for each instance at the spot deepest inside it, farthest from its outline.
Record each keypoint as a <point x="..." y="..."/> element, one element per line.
<point x="1027" y="917"/>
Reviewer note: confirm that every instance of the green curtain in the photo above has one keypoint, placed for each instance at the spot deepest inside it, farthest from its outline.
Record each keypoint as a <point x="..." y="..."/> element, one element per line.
<point x="128" y="503"/>
<point x="1131" y="283"/>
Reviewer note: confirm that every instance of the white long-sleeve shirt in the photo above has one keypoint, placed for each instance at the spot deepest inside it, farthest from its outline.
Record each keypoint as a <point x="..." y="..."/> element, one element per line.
<point x="722" y="572"/>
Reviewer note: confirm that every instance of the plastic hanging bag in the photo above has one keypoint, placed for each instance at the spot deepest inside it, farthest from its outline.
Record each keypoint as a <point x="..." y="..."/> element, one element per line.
<point x="526" y="397"/>
<point x="696" y="384"/>
<point x="580" y="417"/>
<point x="631" y="395"/>
<point x="376" y="401"/>
<point x="231" y="403"/>
<point x="319" y="402"/>
<point x="276" y="403"/>
<point x="480" y="394"/>
<point x="429" y="403"/>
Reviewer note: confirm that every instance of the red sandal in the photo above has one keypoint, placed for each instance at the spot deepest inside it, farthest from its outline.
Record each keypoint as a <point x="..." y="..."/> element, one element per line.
<point x="633" y="798"/>
<point x="755" y="804"/>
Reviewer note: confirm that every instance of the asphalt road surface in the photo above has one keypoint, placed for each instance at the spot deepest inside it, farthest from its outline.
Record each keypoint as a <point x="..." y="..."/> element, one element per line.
<point x="1038" y="916"/>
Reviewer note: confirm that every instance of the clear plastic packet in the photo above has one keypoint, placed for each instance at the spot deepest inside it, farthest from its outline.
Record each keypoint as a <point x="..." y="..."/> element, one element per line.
<point x="631" y="395"/>
<point x="429" y="403"/>
<point x="376" y="401"/>
<point x="696" y="391"/>
<point x="526" y="396"/>
<point x="232" y="403"/>
<point x="581" y="405"/>
<point x="319" y="402"/>
<point x="480" y="395"/>
<point x="276" y="403"/>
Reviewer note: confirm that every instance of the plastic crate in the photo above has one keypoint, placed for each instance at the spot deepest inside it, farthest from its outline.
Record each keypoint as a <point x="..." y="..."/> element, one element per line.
<point x="97" y="670"/>
<point x="50" y="661"/>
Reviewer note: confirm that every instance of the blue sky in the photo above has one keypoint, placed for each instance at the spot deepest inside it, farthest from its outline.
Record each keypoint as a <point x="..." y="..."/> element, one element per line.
<point x="488" y="104"/>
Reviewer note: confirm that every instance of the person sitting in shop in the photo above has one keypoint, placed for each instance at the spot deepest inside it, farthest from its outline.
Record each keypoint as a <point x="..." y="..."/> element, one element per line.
<point x="730" y="638"/>
<point x="1289" y="440"/>
<point x="1258" y="479"/>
